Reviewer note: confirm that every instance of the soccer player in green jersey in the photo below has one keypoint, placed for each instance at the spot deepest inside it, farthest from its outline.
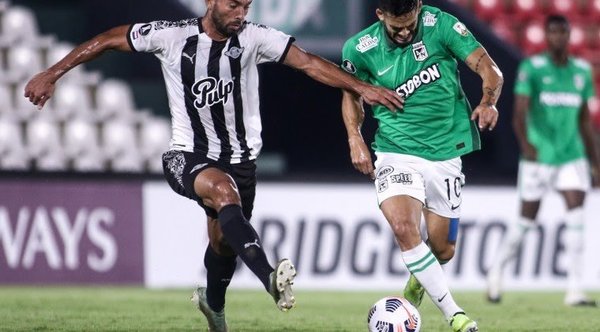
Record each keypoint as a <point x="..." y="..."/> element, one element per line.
<point x="552" y="125"/>
<point x="413" y="49"/>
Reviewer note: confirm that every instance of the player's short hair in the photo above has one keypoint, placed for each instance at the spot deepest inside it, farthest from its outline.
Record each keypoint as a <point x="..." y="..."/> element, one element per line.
<point x="398" y="7"/>
<point x="556" y="19"/>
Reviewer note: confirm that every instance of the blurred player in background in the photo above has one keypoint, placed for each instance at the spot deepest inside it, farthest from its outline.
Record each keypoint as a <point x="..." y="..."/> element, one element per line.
<point x="414" y="50"/>
<point x="210" y="70"/>
<point x="552" y="125"/>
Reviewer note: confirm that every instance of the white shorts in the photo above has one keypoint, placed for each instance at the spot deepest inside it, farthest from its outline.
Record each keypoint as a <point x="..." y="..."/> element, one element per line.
<point x="536" y="179"/>
<point x="437" y="184"/>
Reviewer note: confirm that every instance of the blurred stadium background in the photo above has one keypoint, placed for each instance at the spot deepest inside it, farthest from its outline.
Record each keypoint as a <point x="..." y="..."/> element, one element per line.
<point x="82" y="200"/>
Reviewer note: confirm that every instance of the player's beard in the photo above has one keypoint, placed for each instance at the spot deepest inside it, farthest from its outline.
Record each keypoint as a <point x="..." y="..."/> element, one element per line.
<point x="223" y="28"/>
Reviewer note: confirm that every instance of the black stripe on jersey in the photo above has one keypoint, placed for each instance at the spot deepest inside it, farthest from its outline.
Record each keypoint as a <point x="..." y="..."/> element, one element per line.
<point x="287" y="49"/>
<point x="188" y="77"/>
<point x="217" y="110"/>
<point x="236" y="73"/>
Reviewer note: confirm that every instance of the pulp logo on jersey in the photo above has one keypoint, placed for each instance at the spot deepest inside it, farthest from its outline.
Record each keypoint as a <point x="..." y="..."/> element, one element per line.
<point x="366" y="43"/>
<point x="420" y="51"/>
<point x="235" y="52"/>
<point x="429" y="19"/>
<point x="425" y="77"/>
<point x="209" y="92"/>
<point x="563" y="99"/>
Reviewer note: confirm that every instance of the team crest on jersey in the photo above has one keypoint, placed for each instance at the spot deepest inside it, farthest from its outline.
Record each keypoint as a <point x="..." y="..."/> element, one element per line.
<point x="429" y="19"/>
<point x="348" y="66"/>
<point x="209" y="91"/>
<point x="234" y="52"/>
<point x="578" y="81"/>
<point x="366" y="43"/>
<point x="461" y="29"/>
<point x="420" y="51"/>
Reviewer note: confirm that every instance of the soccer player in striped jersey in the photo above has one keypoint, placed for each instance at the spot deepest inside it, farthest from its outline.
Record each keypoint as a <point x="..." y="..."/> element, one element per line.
<point x="414" y="49"/>
<point x="210" y="70"/>
<point x="553" y="128"/>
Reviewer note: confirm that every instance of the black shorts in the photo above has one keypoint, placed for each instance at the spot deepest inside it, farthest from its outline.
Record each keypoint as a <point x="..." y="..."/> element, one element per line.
<point x="181" y="168"/>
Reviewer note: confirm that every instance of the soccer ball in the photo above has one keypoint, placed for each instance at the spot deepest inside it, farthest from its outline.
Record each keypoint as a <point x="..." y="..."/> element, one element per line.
<point x="394" y="314"/>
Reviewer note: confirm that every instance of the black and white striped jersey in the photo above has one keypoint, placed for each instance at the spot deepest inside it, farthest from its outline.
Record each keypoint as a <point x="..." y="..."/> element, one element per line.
<point x="212" y="86"/>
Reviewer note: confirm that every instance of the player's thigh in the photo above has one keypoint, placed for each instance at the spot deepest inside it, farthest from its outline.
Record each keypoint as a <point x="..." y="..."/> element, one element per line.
<point x="443" y="187"/>
<point x="403" y="214"/>
<point x="534" y="180"/>
<point x="574" y="176"/>
<point x="397" y="175"/>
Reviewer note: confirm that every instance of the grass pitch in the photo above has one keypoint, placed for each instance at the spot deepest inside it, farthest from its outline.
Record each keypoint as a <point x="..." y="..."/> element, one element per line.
<point x="136" y="309"/>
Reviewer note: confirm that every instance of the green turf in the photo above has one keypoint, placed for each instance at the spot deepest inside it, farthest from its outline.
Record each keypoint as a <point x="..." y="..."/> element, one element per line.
<point x="135" y="309"/>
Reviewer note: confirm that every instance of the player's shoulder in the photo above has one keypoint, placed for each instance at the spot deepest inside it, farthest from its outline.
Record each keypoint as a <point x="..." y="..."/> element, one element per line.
<point x="253" y="27"/>
<point x="581" y="63"/>
<point x="433" y="16"/>
<point x="184" y="24"/>
<point x="536" y="61"/>
<point x="365" y="40"/>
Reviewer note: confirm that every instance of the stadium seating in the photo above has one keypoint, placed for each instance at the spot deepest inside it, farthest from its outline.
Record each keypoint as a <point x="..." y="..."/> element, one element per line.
<point x="488" y="9"/>
<point x="12" y="147"/>
<point x="89" y="125"/>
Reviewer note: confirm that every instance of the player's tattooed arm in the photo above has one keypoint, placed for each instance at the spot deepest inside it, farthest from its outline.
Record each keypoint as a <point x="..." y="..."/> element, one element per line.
<point x="481" y="63"/>
<point x="354" y="115"/>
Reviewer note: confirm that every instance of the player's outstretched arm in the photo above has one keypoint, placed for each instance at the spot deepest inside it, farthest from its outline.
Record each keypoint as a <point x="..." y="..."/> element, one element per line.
<point x="585" y="128"/>
<point x="486" y="113"/>
<point x="354" y="115"/>
<point x="41" y="87"/>
<point x="328" y="73"/>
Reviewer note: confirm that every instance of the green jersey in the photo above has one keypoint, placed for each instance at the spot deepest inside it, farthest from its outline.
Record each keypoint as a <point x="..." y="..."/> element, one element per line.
<point x="435" y="123"/>
<point x="556" y="94"/>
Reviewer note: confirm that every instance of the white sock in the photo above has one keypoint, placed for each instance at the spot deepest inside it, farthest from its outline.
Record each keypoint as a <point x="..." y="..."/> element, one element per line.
<point x="510" y="244"/>
<point x="574" y="249"/>
<point x="421" y="262"/>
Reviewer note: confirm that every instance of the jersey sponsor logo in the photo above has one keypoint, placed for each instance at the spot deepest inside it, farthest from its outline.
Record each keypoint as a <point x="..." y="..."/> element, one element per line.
<point x="564" y="99"/>
<point x="429" y="19"/>
<point x="382" y="72"/>
<point x="402" y="178"/>
<point x="420" y="51"/>
<point x="384" y="171"/>
<point x="209" y="92"/>
<point x="461" y="29"/>
<point x="348" y="66"/>
<point x="234" y="52"/>
<point x="366" y="43"/>
<point x="425" y="77"/>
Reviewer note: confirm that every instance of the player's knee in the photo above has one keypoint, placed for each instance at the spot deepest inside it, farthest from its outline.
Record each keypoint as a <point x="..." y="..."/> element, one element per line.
<point x="445" y="253"/>
<point x="223" y="194"/>
<point x="405" y="230"/>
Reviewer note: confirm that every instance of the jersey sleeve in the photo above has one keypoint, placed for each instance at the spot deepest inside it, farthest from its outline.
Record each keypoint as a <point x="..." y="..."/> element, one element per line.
<point x="145" y="37"/>
<point x="589" y="90"/>
<point x="523" y="83"/>
<point x="457" y="38"/>
<point x="272" y="45"/>
<point x="352" y="61"/>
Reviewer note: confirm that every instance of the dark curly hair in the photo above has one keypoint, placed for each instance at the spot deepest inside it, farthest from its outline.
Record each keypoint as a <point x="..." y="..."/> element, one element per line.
<point x="398" y="7"/>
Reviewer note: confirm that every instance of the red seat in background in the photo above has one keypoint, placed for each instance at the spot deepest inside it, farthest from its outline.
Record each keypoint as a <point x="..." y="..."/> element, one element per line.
<point x="533" y="39"/>
<point x="505" y="29"/>
<point x="524" y="10"/>
<point x="487" y="10"/>
<point x="569" y="8"/>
